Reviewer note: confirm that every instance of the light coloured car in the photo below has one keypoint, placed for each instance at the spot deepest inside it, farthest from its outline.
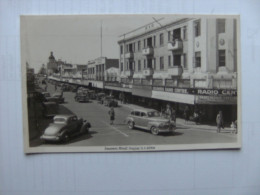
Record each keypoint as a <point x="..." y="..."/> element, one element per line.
<point x="64" y="127"/>
<point x="150" y="120"/>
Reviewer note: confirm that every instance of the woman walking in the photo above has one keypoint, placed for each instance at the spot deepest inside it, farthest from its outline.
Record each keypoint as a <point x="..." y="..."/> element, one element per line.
<point x="220" y="121"/>
<point x="111" y="113"/>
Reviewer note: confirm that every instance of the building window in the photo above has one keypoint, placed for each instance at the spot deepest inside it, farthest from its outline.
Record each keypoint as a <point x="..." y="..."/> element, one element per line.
<point x="169" y="61"/>
<point x="177" y="60"/>
<point x="197" y="28"/>
<point x="127" y="65"/>
<point x="139" y="45"/>
<point x="184" y="60"/>
<point x="161" y="63"/>
<point x="169" y="35"/>
<point x="197" y="59"/>
<point x="144" y="43"/>
<point x="121" y="49"/>
<point x="221" y="24"/>
<point x="221" y="58"/>
<point x="154" y="63"/>
<point x="139" y="65"/>
<point x="121" y="66"/>
<point x="184" y="33"/>
<point x="144" y="64"/>
<point x="161" y="39"/>
<point x="154" y="41"/>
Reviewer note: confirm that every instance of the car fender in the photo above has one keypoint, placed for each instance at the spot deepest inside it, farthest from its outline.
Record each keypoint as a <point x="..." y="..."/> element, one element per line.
<point x="153" y="124"/>
<point x="129" y="119"/>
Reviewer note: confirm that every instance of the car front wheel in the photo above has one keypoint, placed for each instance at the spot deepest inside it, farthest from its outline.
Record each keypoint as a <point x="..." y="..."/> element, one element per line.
<point x="154" y="130"/>
<point x="65" y="138"/>
<point x="131" y="125"/>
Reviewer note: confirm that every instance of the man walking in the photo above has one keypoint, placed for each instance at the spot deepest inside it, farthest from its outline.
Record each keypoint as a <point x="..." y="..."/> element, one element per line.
<point x="111" y="113"/>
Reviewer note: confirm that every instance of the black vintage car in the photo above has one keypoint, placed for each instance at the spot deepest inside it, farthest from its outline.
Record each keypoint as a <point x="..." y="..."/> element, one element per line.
<point x="81" y="97"/>
<point x="64" y="127"/>
<point x="56" y="97"/>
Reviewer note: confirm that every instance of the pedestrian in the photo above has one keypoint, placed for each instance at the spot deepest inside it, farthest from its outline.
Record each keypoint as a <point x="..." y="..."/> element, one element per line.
<point x="186" y="114"/>
<point x="168" y="112"/>
<point x="196" y="115"/>
<point x="220" y="121"/>
<point x="111" y="113"/>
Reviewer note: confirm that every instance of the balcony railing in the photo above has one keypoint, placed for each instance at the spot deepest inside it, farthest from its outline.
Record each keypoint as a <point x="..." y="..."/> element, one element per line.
<point x="175" y="70"/>
<point x="148" y="72"/>
<point x="129" y="54"/>
<point x="148" y="51"/>
<point x="175" y="45"/>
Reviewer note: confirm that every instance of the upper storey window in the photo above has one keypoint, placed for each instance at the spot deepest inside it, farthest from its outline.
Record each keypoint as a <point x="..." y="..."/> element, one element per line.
<point x="197" y="26"/>
<point x="221" y="25"/>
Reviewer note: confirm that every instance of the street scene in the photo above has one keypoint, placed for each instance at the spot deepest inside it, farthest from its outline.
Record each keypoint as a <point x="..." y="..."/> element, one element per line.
<point x="103" y="134"/>
<point x="163" y="81"/>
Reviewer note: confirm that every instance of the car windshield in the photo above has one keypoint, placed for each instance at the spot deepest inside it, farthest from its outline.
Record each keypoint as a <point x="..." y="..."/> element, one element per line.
<point x="153" y="114"/>
<point x="60" y="120"/>
<point x="56" y="95"/>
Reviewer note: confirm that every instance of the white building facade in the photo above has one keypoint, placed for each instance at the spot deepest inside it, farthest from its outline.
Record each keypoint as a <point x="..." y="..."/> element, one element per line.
<point x="191" y="61"/>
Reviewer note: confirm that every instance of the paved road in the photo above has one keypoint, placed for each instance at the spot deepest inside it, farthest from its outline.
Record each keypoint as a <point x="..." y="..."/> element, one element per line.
<point x="104" y="134"/>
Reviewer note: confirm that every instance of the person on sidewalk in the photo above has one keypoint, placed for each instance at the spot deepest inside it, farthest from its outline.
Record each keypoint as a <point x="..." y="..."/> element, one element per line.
<point x="186" y="114"/>
<point x="220" y="121"/>
<point x="170" y="113"/>
<point x="111" y="113"/>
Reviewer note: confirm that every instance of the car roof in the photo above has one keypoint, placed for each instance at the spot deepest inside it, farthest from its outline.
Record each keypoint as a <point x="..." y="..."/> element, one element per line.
<point x="144" y="110"/>
<point x="66" y="116"/>
<point x="49" y="103"/>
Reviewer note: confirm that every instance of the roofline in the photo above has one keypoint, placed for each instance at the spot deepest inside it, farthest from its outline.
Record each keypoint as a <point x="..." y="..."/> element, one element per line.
<point x="156" y="29"/>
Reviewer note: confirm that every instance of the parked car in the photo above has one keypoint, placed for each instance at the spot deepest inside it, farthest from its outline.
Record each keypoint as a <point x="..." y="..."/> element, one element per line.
<point x="92" y="94"/>
<point x="81" y="97"/>
<point x="65" y="87"/>
<point x="56" y="97"/>
<point x="74" y="88"/>
<point x="50" y="109"/>
<point x="100" y="97"/>
<point x="46" y="94"/>
<point x="150" y="120"/>
<point x="64" y="127"/>
<point x="110" y="101"/>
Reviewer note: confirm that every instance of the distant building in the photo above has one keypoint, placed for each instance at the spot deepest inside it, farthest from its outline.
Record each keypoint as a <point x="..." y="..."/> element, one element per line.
<point x="52" y="65"/>
<point x="97" y="70"/>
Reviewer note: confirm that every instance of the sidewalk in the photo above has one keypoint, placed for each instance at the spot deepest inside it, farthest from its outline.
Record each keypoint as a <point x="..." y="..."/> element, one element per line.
<point x="190" y="124"/>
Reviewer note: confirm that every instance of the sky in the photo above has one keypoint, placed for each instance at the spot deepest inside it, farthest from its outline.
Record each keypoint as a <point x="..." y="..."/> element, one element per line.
<point x="77" y="39"/>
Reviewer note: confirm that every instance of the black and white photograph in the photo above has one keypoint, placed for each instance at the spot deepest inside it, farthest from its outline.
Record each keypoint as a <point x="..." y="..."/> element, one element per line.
<point x="130" y="83"/>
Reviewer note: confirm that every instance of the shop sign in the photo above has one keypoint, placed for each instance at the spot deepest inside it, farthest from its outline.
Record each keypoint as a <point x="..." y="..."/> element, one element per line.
<point x="158" y="88"/>
<point x="215" y="99"/>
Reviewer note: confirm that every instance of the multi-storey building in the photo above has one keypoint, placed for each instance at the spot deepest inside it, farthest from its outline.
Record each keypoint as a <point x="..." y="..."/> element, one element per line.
<point x="190" y="61"/>
<point x="97" y="71"/>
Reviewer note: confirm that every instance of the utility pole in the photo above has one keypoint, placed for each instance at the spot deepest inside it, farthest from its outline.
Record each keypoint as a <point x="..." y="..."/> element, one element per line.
<point x="101" y="38"/>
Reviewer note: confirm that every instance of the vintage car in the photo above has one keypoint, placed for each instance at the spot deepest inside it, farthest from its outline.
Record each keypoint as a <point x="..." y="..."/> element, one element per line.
<point x="82" y="90"/>
<point x="56" y="97"/>
<point x="92" y="94"/>
<point x="150" y="120"/>
<point x="110" y="101"/>
<point x="100" y="97"/>
<point x="81" y="97"/>
<point x="64" y="127"/>
<point x="46" y="94"/>
<point x="50" y="109"/>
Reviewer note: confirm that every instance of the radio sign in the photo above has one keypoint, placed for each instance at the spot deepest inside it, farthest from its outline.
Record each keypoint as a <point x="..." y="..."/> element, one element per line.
<point x="224" y="92"/>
